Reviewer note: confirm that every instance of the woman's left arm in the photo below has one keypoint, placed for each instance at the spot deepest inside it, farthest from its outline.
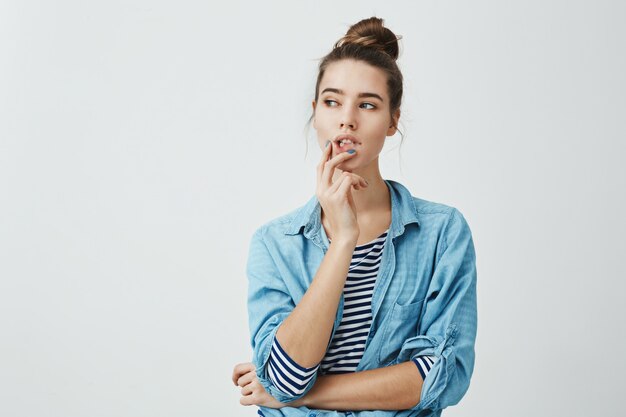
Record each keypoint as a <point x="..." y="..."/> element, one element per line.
<point x="395" y="387"/>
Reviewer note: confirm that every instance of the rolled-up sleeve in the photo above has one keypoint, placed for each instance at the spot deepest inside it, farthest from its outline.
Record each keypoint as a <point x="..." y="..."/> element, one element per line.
<point x="449" y="320"/>
<point x="269" y="304"/>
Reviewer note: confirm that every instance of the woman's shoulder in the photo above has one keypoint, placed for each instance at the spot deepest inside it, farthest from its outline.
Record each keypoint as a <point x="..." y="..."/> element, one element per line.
<point x="429" y="212"/>
<point x="421" y="204"/>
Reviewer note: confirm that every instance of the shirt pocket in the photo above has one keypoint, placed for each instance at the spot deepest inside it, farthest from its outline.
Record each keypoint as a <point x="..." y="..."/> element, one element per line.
<point x="399" y="325"/>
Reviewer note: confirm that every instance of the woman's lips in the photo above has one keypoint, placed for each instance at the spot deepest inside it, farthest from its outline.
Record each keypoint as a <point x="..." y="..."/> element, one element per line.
<point x="345" y="147"/>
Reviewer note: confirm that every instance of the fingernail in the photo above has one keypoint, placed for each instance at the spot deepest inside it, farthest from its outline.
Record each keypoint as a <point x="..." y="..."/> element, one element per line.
<point x="351" y="151"/>
<point x="327" y="142"/>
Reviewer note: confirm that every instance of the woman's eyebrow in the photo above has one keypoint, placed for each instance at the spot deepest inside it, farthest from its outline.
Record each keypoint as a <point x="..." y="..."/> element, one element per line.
<point x="338" y="91"/>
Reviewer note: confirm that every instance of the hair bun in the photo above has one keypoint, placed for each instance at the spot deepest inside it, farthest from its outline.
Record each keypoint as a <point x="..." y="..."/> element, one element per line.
<point x="371" y="33"/>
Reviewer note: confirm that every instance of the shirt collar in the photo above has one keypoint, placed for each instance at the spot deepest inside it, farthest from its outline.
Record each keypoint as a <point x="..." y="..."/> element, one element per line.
<point x="403" y="212"/>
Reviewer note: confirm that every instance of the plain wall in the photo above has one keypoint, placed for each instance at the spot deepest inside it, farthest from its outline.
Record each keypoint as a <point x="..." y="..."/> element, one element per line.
<point x="142" y="142"/>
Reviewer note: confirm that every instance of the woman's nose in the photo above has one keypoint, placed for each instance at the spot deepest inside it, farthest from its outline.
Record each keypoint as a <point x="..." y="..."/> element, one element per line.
<point x="348" y="120"/>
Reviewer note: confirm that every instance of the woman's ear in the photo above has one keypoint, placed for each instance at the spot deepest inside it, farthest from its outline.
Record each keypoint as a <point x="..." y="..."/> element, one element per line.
<point x="313" y="104"/>
<point x="393" y="127"/>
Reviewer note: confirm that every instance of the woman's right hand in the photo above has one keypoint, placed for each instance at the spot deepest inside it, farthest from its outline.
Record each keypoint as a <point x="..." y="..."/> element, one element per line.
<point x="336" y="198"/>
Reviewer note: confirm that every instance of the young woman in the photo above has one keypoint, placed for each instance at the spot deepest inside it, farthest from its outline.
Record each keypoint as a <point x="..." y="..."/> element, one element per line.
<point x="365" y="297"/>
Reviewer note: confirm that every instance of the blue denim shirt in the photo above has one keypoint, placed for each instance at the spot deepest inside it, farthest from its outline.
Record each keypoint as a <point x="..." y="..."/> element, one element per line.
<point x="424" y="300"/>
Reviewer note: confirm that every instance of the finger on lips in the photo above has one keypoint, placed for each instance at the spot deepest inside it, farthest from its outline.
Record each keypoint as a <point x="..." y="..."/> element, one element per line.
<point x="329" y="164"/>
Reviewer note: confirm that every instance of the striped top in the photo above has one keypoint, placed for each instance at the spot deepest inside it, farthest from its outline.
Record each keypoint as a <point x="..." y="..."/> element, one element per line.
<point x="348" y="344"/>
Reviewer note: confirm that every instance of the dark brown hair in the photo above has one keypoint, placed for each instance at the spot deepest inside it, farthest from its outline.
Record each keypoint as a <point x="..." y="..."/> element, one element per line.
<point x="370" y="42"/>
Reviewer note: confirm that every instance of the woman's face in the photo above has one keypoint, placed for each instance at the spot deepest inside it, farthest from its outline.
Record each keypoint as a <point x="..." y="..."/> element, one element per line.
<point x="353" y="100"/>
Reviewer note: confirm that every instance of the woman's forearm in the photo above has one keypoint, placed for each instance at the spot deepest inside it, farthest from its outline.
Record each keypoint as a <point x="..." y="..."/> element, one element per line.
<point x="305" y="333"/>
<point x="396" y="387"/>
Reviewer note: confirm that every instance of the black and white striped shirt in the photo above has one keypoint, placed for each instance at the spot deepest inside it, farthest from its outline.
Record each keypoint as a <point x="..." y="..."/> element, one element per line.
<point x="348" y="343"/>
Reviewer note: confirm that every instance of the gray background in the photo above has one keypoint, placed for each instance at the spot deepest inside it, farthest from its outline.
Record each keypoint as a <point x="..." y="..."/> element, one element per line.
<point x="142" y="142"/>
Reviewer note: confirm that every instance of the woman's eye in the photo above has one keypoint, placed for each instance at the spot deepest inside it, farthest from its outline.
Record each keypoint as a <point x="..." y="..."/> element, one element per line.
<point x="333" y="103"/>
